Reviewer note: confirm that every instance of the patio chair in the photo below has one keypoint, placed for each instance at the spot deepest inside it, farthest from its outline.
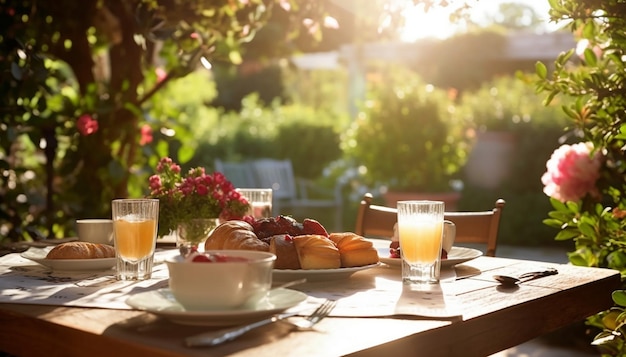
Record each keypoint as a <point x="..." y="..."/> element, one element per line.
<point x="471" y="227"/>
<point x="289" y="192"/>
<point x="240" y="174"/>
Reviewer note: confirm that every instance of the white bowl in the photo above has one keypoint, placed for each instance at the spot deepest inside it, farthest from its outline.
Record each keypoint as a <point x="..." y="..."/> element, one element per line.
<point x="221" y="285"/>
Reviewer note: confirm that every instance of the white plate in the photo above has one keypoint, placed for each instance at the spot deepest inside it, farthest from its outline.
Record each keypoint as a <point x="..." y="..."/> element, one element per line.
<point x="162" y="303"/>
<point x="317" y="274"/>
<point x="456" y="256"/>
<point x="38" y="255"/>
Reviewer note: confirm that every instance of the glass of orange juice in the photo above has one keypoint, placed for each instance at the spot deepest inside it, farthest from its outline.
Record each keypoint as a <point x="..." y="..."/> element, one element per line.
<point x="420" y="229"/>
<point x="135" y="226"/>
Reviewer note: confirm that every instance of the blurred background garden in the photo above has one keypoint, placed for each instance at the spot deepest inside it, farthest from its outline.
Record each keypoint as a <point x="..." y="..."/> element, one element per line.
<point x="341" y="104"/>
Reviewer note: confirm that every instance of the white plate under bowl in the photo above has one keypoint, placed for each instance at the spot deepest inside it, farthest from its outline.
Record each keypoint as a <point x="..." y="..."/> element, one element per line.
<point x="38" y="255"/>
<point x="317" y="274"/>
<point x="161" y="302"/>
<point x="457" y="255"/>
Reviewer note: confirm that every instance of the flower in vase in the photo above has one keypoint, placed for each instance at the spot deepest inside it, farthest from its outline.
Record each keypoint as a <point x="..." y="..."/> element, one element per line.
<point x="197" y="195"/>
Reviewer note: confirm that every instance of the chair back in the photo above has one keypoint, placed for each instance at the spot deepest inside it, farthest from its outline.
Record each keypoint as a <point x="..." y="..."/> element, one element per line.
<point x="239" y="173"/>
<point x="471" y="227"/>
<point x="277" y="175"/>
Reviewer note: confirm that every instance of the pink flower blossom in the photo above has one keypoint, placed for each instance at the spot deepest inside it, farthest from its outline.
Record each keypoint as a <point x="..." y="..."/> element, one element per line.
<point x="146" y="135"/>
<point x="572" y="172"/>
<point x="160" y="74"/>
<point x="86" y="125"/>
<point x="155" y="182"/>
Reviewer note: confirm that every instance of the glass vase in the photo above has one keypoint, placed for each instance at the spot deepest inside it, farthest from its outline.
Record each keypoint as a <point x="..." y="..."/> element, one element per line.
<point x="192" y="233"/>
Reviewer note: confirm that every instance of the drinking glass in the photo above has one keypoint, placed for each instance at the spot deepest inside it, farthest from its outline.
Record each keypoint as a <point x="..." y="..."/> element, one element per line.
<point x="420" y="228"/>
<point x="260" y="200"/>
<point x="135" y="225"/>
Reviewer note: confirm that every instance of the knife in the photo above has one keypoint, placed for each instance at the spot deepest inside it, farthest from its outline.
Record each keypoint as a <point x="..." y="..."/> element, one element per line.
<point x="214" y="338"/>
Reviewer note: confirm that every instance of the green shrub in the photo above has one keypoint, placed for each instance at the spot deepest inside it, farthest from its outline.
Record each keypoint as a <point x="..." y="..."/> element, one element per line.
<point x="309" y="139"/>
<point x="404" y="136"/>
<point x="310" y="147"/>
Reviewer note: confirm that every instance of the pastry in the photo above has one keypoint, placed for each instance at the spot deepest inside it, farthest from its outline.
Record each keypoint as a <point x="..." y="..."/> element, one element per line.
<point x="235" y="235"/>
<point x="285" y="250"/>
<point x="317" y="252"/>
<point x="354" y="250"/>
<point x="81" y="250"/>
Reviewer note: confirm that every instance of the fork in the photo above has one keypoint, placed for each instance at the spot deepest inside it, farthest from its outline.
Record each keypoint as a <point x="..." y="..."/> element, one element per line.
<point x="214" y="338"/>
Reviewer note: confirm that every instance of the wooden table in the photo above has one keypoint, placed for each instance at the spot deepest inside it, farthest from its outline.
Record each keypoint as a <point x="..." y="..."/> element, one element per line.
<point x="494" y="319"/>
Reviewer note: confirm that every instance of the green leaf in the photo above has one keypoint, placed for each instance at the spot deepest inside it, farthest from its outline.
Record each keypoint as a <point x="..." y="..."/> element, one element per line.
<point x="590" y="57"/>
<point x="587" y="228"/>
<point x="558" y="205"/>
<point x="577" y="258"/>
<point x="561" y="216"/>
<point x="567" y="234"/>
<point x="541" y="69"/>
<point x="619" y="297"/>
<point x="589" y="29"/>
<point x="553" y="223"/>
<point x="616" y="260"/>
<point x="573" y="206"/>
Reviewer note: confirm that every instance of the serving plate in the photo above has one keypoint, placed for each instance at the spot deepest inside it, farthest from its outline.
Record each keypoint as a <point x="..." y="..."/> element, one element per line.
<point x="318" y="274"/>
<point x="457" y="255"/>
<point x="38" y="255"/>
<point x="161" y="302"/>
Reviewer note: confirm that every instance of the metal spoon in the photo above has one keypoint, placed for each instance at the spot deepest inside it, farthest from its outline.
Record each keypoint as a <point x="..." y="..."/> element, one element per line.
<point x="509" y="281"/>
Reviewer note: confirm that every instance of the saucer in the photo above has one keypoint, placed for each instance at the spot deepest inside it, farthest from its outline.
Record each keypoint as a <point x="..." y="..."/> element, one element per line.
<point x="162" y="303"/>
<point x="457" y="255"/>
<point x="38" y="255"/>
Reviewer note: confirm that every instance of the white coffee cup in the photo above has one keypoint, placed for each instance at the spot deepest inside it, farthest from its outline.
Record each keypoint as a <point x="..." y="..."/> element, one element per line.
<point x="449" y="234"/>
<point x="95" y="231"/>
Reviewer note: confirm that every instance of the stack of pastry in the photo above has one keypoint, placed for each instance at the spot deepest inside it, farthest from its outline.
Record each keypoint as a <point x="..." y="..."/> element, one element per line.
<point x="305" y="251"/>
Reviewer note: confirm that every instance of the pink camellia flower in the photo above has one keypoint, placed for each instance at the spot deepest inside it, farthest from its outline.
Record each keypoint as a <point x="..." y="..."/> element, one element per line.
<point x="572" y="172"/>
<point x="86" y="125"/>
<point x="146" y="135"/>
<point x="161" y="74"/>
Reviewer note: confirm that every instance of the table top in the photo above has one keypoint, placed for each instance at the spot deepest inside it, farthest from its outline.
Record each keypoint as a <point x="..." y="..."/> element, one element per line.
<point x="491" y="318"/>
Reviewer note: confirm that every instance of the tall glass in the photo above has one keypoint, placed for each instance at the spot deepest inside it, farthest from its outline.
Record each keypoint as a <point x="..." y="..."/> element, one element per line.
<point x="420" y="227"/>
<point x="260" y="200"/>
<point x="135" y="224"/>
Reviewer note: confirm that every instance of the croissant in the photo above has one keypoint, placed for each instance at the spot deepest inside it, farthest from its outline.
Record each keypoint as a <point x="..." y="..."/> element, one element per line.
<point x="235" y="235"/>
<point x="81" y="250"/>
<point x="317" y="252"/>
<point x="354" y="250"/>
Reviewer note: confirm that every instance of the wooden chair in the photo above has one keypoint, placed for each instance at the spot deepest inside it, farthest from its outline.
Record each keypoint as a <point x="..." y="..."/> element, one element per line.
<point x="471" y="227"/>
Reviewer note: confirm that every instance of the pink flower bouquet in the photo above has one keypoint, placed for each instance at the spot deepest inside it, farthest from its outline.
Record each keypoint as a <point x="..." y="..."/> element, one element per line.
<point x="197" y="195"/>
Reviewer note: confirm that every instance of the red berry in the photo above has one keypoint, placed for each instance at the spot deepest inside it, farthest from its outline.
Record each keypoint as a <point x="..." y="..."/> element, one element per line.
<point x="311" y="226"/>
<point x="201" y="258"/>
